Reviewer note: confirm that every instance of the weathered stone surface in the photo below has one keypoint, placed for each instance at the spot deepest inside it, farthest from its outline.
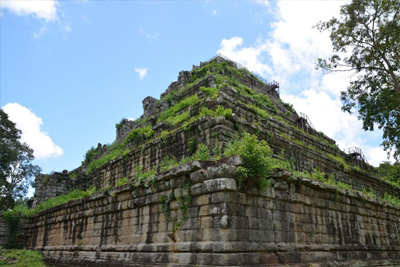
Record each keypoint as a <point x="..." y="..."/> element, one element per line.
<point x="195" y="214"/>
<point x="222" y="228"/>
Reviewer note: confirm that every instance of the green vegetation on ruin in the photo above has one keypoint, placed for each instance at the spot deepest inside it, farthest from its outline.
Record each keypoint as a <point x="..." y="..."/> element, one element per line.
<point x="21" y="258"/>
<point x="389" y="172"/>
<point x="176" y="115"/>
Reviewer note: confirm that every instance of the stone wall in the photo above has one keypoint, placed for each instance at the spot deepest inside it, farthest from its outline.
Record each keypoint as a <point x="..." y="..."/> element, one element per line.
<point x="314" y="152"/>
<point x="4" y="233"/>
<point x="21" y="233"/>
<point x="194" y="214"/>
<point x="297" y="221"/>
<point x="48" y="186"/>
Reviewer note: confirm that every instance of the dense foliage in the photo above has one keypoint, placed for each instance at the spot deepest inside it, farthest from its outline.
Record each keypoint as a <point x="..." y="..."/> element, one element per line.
<point x="390" y="172"/>
<point x="258" y="162"/>
<point x="368" y="35"/>
<point x="21" y="258"/>
<point x="16" y="168"/>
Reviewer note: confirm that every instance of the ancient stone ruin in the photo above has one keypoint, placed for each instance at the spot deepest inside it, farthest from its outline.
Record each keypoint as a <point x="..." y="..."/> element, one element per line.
<point x="158" y="205"/>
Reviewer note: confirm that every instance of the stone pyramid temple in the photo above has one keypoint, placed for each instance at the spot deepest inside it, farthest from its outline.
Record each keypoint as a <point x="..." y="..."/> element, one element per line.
<point x="166" y="193"/>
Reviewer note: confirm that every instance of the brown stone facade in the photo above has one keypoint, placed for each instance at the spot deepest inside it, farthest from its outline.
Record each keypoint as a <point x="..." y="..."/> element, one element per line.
<point x="297" y="221"/>
<point x="196" y="215"/>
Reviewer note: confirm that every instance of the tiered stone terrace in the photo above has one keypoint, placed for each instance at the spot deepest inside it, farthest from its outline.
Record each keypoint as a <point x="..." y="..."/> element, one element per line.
<point x="297" y="221"/>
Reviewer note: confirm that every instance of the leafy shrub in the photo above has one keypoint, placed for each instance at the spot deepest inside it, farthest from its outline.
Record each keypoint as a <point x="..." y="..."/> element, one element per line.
<point x="206" y="112"/>
<point x="344" y="185"/>
<point x="174" y="120"/>
<point x="392" y="199"/>
<point x="257" y="157"/>
<point x="168" y="163"/>
<point x="282" y="163"/>
<point x="147" y="178"/>
<point x="191" y="145"/>
<point x="221" y="111"/>
<point x="210" y="91"/>
<point x="21" y="258"/>
<point x="318" y="175"/>
<point x="120" y="124"/>
<point x="217" y="152"/>
<point x="390" y="172"/>
<point x="147" y="131"/>
<point x="91" y="154"/>
<point x="202" y="153"/>
<point x="122" y="181"/>
<point x="371" y="192"/>
<point x="289" y="107"/>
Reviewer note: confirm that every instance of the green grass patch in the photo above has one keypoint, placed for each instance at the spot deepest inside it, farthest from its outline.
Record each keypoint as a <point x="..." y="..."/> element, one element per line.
<point x="144" y="178"/>
<point x="50" y="203"/>
<point x="391" y="199"/>
<point x="210" y="91"/>
<point x="339" y="159"/>
<point x="174" y="120"/>
<point x="122" y="181"/>
<point x="189" y="101"/>
<point x="115" y="150"/>
<point x="299" y="142"/>
<point x="168" y="163"/>
<point x="21" y="258"/>
<point x="202" y="153"/>
<point x="147" y="131"/>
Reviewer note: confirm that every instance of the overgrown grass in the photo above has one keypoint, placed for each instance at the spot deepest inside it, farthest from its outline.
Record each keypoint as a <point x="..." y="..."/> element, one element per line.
<point x="122" y="181"/>
<point x="174" y="120"/>
<point x="189" y="101"/>
<point x="391" y="199"/>
<point x="147" y="131"/>
<point x="341" y="160"/>
<point x="297" y="141"/>
<point x="210" y="91"/>
<point x="21" y="258"/>
<point x="169" y="162"/>
<point x="50" y="203"/>
<point x="144" y="178"/>
<point x="115" y="150"/>
<point x="170" y="117"/>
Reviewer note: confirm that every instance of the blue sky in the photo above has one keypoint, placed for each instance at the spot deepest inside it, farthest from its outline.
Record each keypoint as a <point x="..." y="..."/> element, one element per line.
<point x="70" y="70"/>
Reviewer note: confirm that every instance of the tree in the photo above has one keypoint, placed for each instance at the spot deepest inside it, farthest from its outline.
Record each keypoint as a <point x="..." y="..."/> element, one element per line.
<point x="16" y="169"/>
<point x="389" y="172"/>
<point x="366" y="42"/>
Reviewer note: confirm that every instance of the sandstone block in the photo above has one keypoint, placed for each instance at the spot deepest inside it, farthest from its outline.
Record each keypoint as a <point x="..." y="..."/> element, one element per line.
<point x="219" y="184"/>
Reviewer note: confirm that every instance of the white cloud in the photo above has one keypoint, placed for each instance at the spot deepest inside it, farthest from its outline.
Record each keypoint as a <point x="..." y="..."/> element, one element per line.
<point x="214" y="12"/>
<point x="325" y="114"/>
<point x="250" y="57"/>
<point x="262" y="2"/>
<point x="46" y="10"/>
<point x="142" y="72"/>
<point x="30" y="124"/>
<point x="376" y="155"/>
<point x="148" y="35"/>
<point x="289" y="56"/>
